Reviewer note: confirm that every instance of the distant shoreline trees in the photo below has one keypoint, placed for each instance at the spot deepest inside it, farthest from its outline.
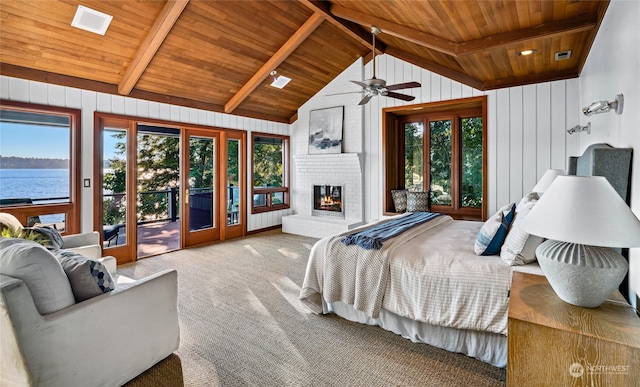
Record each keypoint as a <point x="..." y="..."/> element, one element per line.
<point x="13" y="162"/>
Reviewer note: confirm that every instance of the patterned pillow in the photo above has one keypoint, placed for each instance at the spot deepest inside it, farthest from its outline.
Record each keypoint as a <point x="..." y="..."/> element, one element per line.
<point x="88" y="277"/>
<point x="519" y="247"/>
<point x="494" y="231"/>
<point x="417" y="201"/>
<point x="399" y="199"/>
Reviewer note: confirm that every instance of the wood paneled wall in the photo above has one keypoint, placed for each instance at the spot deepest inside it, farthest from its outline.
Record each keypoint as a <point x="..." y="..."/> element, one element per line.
<point x="527" y="127"/>
<point x="89" y="102"/>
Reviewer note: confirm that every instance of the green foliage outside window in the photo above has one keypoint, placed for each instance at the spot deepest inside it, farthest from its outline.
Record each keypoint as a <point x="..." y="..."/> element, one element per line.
<point x="267" y="162"/>
<point x="440" y="162"/>
<point x="413" y="156"/>
<point x="158" y="170"/>
<point x="472" y="162"/>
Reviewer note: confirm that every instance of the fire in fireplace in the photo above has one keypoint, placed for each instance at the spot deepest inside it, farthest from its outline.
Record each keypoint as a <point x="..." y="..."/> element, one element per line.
<point x="327" y="201"/>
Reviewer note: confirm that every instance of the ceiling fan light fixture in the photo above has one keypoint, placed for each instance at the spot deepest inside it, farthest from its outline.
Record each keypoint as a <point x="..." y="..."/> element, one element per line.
<point x="91" y="20"/>
<point x="526" y="52"/>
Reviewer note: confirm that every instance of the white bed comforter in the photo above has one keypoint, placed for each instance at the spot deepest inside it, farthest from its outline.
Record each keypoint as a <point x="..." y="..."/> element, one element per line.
<point x="430" y="274"/>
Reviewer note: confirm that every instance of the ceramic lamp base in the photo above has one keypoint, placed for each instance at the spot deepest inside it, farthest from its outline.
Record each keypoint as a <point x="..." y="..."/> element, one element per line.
<point x="579" y="274"/>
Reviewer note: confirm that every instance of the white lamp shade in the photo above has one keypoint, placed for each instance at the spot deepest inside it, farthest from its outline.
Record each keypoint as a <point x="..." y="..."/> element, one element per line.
<point x="546" y="180"/>
<point x="584" y="210"/>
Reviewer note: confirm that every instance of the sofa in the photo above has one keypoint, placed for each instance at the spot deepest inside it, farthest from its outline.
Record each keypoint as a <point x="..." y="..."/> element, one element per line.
<point x="71" y="320"/>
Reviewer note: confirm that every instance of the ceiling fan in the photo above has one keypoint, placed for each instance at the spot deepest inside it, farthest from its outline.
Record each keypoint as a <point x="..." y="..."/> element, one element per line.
<point x="375" y="86"/>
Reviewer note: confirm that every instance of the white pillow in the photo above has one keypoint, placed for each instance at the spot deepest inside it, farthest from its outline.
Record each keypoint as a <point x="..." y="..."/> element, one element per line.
<point x="39" y="270"/>
<point x="494" y="231"/>
<point x="519" y="247"/>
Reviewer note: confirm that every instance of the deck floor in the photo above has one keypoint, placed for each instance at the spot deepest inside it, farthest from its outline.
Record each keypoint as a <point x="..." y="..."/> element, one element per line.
<point x="153" y="238"/>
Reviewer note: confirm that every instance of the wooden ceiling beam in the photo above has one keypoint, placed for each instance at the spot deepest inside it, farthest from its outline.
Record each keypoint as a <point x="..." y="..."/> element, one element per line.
<point x="436" y="68"/>
<point x="11" y="70"/>
<point x="530" y="79"/>
<point x="158" y="33"/>
<point x="280" y="56"/>
<point x="399" y="31"/>
<point x="547" y="30"/>
<point x="354" y="30"/>
<point x="542" y="31"/>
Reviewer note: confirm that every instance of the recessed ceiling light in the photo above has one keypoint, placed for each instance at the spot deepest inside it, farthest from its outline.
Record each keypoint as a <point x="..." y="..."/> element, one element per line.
<point x="91" y="20"/>
<point x="526" y="52"/>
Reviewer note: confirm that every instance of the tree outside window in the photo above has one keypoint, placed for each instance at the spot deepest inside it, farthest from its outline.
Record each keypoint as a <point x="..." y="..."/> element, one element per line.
<point x="270" y="172"/>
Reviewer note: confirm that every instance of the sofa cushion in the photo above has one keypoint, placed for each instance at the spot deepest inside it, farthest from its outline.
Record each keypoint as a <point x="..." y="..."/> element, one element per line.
<point x="88" y="277"/>
<point x="39" y="270"/>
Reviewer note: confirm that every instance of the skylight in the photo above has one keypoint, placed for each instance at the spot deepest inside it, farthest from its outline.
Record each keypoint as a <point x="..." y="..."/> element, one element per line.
<point x="91" y="20"/>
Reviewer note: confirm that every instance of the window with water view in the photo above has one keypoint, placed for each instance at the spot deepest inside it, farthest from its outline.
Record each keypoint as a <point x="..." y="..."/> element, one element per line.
<point x="37" y="148"/>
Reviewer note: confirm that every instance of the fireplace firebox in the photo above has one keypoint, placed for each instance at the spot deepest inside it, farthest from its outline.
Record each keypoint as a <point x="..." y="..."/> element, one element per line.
<point x="328" y="201"/>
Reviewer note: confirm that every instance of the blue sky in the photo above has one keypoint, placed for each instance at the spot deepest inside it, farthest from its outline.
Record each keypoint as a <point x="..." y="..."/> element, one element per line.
<point x="39" y="141"/>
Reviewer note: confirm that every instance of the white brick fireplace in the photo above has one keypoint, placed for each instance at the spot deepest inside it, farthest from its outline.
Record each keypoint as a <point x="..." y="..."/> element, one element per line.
<point x="344" y="169"/>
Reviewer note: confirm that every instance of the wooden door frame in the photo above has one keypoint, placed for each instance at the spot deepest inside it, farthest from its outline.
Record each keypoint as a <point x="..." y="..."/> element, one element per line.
<point x="128" y="253"/>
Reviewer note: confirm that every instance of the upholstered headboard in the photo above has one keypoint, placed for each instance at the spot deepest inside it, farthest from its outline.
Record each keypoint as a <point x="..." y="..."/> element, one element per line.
<point x="615" y="165"/>
<point x="605" y="160"/>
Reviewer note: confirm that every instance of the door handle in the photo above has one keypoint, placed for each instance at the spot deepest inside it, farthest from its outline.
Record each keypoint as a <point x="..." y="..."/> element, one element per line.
<point x="186" y="196"/>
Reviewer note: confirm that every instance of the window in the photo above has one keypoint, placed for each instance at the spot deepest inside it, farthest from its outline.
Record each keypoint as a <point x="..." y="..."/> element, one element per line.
<point x="439" y="148"/>
<point x="270" y="173"/>
<point x="39" y="160"/>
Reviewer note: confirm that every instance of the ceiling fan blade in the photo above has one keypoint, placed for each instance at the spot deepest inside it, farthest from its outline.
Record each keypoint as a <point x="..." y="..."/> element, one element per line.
<point x="407" y="85"/>
<point x="403" y="97"/>
<point x="363" y="85"/>
<point x="365" y="99"/>
<point x="346" y="92"/>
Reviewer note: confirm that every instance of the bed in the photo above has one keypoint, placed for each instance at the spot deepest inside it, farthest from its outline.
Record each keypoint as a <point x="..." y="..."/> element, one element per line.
<point x="428" y="284"/>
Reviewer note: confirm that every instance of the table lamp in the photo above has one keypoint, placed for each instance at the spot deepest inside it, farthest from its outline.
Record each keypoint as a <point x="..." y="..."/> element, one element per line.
<point x="584" y="219"/>
<point x="546" y="180"/>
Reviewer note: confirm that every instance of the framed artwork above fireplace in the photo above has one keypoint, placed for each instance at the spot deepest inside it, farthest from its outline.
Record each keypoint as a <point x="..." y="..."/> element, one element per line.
<point x="325" y="130"/>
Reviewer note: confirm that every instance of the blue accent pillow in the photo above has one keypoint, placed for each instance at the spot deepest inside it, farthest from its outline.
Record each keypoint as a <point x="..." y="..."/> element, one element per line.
<point x="494" y="231"/>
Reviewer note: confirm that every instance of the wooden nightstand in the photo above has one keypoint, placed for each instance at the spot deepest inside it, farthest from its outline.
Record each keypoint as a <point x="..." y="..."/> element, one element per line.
<point x="553" y="343"/>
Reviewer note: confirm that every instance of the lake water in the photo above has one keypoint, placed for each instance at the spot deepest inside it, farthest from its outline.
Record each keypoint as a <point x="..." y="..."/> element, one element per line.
<point x="36" y="184"/>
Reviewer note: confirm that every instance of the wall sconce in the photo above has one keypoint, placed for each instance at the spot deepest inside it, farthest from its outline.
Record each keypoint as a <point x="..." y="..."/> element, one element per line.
<point x="604" y="106"/>
<point x="579" y="128"/>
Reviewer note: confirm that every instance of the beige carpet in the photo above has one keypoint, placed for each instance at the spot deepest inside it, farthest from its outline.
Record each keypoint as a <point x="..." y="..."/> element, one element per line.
<point x="242" y="325"/>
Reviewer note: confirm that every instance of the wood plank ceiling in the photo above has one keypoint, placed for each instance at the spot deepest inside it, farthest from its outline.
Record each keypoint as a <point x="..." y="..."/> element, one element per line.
<point x="218" y="55"/>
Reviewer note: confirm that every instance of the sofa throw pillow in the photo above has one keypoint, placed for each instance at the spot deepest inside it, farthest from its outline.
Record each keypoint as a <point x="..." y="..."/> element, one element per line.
<point x="417" y="201"/>
<point x="494" y="231"/>
<point x="399" y="197"/>
<point x="39" y="270"/>
<point x="47" y="235"/>
<point x="519" y="247"/>
<point x="88" y="277"/>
